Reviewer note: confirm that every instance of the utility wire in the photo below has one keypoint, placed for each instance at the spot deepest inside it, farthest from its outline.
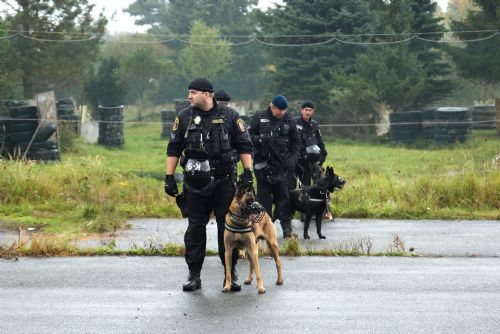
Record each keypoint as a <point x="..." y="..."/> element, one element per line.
<point x="254" y="39"/>
<point x="266" y="36"/>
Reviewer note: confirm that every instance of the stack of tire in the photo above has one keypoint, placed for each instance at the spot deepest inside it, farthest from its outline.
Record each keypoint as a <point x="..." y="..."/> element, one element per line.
<point x="406" y="126"/>
<point x="22" y="128"/>
<point x="445" y="125"/>
<point x="66" y="112"/>
<point x="484" y="117"/>
<point x="167" y="118"/>
<point x="111" y="131"/>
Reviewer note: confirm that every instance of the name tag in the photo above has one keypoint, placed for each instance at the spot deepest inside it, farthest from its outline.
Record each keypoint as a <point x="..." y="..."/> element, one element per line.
<point x="217" y="121"/>
<point x="300" y="127"/>
<point x="264" y="120"/>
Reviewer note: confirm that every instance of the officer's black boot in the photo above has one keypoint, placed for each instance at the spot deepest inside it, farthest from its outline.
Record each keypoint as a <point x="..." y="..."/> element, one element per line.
<point x="193" y="281"/>
<point x="286" y="226"/>
<point x="234" y="281"/>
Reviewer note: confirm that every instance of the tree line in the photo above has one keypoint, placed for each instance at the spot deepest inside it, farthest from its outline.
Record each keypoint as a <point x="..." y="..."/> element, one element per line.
<point x="60" y="45"/>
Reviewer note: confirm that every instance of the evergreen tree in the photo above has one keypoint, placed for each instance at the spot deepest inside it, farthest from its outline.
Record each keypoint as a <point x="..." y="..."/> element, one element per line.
<point x="438" y="84"/>
<point x="479" y="60"/>
<point x="311" y="71"/>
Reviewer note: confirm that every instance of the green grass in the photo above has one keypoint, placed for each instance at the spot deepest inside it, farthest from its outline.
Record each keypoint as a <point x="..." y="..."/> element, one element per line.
<point x="97" y="188"/>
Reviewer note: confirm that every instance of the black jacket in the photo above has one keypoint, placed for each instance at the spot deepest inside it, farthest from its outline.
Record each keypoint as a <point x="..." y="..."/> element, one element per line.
<point x="309" y="134"/>
<point x="239" y="138"/>
<point x="276" y="139"/>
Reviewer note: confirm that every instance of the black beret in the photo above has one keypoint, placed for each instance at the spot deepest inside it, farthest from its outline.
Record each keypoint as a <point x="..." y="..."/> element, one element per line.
<point x="307" y="104"/>
<point x="222" y="95"/>
<point x="280" y="102"/>
<point x="202" y="85"/>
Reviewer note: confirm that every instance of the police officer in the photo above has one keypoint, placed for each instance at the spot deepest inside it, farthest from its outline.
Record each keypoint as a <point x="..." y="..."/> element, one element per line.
<point x="222" y="96"/>
<point x="274" y="134"/>
<point x="312" y="147"/>
<point x="209" y="136"/>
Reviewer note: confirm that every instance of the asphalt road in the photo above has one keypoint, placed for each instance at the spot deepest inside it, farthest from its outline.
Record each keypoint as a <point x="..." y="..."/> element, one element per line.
<point x="426" y="237"/>
<point x="319" y="295"/>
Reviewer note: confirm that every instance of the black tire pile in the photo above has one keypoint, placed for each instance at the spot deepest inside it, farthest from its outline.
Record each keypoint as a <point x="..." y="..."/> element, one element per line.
<point x="406" y="126"/>
<point x="111" y="131"/>
<point x="442" y="125"/>
<point x="66" y="112"/>
<point x="167" y="118"/>
<point x="485" y="115"/>
<point x="446" y="125"/>
<point x="20" y="128"/>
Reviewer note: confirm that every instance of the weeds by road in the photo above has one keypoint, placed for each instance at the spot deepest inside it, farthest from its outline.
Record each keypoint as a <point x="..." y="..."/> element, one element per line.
<point x="97" y="189"/>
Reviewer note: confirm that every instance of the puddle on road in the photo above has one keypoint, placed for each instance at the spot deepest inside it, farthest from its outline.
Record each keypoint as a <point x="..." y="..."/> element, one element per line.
<point x="7" y="237"/>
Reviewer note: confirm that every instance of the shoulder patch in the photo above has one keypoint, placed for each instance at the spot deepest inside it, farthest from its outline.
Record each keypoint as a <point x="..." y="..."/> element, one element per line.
<point x="175" y="126"/>
<point x="241" y="125"/>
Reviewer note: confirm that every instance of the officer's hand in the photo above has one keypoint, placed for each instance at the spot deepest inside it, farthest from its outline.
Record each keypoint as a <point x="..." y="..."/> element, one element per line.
<point x="246" y="178"/>
<point x="322" y="160"/>
<point x="170" y="186"/>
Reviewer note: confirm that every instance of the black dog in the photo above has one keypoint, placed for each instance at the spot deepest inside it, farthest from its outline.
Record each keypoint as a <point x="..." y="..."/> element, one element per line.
<point x="312" y="200"/>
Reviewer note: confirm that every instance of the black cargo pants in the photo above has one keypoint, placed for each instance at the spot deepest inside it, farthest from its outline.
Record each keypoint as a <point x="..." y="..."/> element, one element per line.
<point x="199" y="209"/>
<point x="277" y="193"/>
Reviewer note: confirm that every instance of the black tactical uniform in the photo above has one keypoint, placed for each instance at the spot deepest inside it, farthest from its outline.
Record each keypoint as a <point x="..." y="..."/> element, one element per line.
<point x="276" y="153"/>
<point x="312" y="150"/>
<point x="222" y="136"/>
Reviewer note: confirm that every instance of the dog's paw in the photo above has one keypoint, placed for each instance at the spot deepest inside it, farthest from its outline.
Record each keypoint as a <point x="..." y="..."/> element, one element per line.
<point x="306" y="236"/>
<point x="247" y="282"/>
<point x="226" y="288"/>
<point x="321" y="236"/>
<point x="279" y="282"/>
<point x="262" y="291"/>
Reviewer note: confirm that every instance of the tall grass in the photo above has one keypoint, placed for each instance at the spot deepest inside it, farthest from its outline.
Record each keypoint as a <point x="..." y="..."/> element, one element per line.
<point x="97" y="188"/>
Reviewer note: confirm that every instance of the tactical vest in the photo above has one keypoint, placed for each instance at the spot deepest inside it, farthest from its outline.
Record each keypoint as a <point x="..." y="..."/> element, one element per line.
<point x="308" y="137"/>
<point x="214" y="140"/>
<point x="278" y="130"/>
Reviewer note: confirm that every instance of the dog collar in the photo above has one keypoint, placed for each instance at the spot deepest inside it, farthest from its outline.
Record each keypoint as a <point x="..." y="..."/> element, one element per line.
<point x="237" y="229"/>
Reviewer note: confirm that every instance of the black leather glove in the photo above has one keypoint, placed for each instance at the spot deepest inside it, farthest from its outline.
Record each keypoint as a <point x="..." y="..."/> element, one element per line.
<point x="246" y="177"/>
<point x="322" y="159"/>
<point x="170" y="186"/>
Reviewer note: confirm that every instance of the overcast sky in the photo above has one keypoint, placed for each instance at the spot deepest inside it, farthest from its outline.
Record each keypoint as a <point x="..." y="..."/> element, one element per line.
<point x="123" y="22"/>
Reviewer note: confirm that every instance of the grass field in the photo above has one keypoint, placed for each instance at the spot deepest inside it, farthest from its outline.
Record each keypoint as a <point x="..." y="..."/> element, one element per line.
<point x="98" y="189"/>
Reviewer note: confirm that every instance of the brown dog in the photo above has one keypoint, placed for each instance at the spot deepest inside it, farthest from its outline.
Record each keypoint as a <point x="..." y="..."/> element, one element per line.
<point x="246" y="223"/>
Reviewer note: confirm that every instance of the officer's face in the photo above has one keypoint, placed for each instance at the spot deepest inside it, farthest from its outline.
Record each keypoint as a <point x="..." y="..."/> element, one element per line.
<point x="307" y="113"/>
<point x="198" y="99"/>
<point x="278" y="113"/>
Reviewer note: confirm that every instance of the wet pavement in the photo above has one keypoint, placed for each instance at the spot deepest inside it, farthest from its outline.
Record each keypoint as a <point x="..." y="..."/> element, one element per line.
<point x="319" y="295"/>
<point x="424" y="237"/>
